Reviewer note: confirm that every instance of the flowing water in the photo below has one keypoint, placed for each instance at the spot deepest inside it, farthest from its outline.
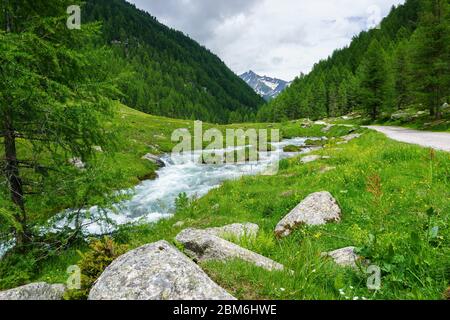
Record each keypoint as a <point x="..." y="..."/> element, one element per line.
<point x="153" y="200"/>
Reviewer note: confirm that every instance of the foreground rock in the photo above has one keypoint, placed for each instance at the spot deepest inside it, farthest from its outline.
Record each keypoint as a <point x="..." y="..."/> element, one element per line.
<point x="155" y="159"/>
<point x="345" y="257"/>
<point x="205" y="246"/>
<point x="317" y="209"/>
<point x="35" y="291"/>
<point x="156" y="271"/>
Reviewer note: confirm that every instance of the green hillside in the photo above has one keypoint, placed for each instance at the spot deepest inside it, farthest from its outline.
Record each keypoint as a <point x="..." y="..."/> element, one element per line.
<point x="403" y="64"/>
<point x="169" y="73"/>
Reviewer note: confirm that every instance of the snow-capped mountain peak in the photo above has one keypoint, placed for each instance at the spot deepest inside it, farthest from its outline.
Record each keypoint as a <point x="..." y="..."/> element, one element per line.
<point x="266" y="87"/>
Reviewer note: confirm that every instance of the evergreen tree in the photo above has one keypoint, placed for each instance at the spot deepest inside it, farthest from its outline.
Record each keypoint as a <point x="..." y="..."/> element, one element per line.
<point x="430" y="48"/>
<point x="374" y="79"/>
<point x="52" y="100"/>
<point x="320" y="101"/>
<point x="401" y="72"/>
<point x="342" y="99"/>
<point x="166" y="69"/>
<point x="344" y="68"/>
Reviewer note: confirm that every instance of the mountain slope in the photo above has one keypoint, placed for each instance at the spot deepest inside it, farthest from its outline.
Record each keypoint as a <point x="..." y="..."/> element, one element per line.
<point x="335" y="86"/>
<point x="266" y="87"/>
<point x="170" y="74"/>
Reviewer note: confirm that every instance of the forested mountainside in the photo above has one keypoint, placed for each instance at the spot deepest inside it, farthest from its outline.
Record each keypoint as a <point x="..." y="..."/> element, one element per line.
<point x="403" y="63"/>
<point x="169" y="73"/>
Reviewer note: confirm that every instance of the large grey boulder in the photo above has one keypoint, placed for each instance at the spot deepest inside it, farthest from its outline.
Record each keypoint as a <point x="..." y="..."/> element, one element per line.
<point x="205" y="246"/>
<point x="35" y="291"/>
<point x="317" y="209"/>
<point x="236" y="230"/>
<point x="157" y="271"/>
<point x="155" y="159"/>
<point x="345" y="257"/>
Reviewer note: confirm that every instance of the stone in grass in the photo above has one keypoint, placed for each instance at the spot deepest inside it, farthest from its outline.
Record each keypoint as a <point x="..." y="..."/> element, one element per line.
<point x="327" y="169"/>
<point x="345" y="257"/>
<point x="204" y="246"/>
<point x="178" y="224"/>
<point x="156" y="271"/>
<point x="310" y="158"/>
<point x="351" y="137"/>
<point x="317" y="209"/>
<point x="77" y="163"/>
<point x="327" y="128"/>
<point x="287" y="194"/>
<point x="35" y="291"/>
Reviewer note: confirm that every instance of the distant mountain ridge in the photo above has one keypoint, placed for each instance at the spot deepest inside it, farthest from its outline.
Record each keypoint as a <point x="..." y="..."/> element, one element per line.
<point x="267" y="87"/>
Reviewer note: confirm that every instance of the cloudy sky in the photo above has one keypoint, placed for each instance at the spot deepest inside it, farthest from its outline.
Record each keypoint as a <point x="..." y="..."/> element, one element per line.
<point x="279" y="38"/>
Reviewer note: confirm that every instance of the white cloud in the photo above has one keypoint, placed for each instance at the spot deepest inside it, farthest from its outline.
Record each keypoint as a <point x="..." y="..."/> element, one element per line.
<point x="279" y="38"/>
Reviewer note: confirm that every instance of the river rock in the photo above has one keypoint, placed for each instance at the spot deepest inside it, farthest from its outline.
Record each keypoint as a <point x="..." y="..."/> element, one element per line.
<point x="317" y="209"/>
<point x="156" y="271"/>
<point x="205" y="246"/>
<point x="345" y="257"/>
<point x="236" y="230"/>
<point x="155" y="159"/>
<point x="35" y="291"/>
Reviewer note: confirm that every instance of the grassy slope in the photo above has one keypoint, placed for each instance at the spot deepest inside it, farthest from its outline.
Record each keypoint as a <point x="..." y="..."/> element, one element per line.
<point x="409" y="118"/>
<point x="411" y="183"/>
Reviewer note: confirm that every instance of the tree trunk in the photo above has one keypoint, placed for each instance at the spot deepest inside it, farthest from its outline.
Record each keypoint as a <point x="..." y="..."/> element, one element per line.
<point x="7" y="26"/>
<point x="15" y="184"/>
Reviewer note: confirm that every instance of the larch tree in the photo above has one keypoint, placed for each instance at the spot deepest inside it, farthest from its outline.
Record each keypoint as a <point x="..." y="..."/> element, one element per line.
<point x="53" y="103"/>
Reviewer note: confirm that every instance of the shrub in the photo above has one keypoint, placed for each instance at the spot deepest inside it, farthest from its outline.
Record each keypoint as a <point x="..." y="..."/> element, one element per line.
<point x="16" y="269"/>
<point x="92" y="264"/>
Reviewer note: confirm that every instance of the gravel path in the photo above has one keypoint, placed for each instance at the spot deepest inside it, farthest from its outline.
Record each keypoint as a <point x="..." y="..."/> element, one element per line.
<point x="435" y="140"/>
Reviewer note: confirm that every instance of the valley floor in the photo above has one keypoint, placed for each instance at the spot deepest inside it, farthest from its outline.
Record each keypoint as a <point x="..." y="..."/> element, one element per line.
<point x="395" y="199"/>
